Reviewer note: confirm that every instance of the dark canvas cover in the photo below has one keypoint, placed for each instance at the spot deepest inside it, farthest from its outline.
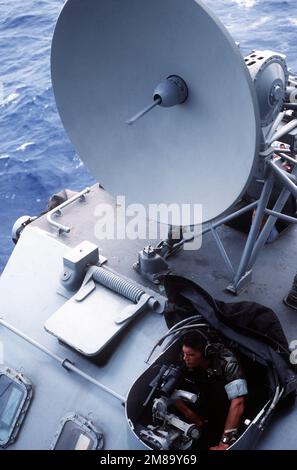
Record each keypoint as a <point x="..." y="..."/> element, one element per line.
<point x="249" y="326"/>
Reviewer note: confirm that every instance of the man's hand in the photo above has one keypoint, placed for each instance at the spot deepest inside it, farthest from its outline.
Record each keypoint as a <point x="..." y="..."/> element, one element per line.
<point x="221" y="446"/>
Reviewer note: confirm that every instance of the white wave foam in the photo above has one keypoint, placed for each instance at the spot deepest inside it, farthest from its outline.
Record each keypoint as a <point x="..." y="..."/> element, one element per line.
<point x="24" y="146"/>
<point x="260" y="22"/>
<point x="11" y="97"/>
<point x="245" y="3"/>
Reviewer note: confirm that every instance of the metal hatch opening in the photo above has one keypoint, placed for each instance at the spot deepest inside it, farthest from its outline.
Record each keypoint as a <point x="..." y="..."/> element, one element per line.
<point x="15" y="398"/>
<point x="77" y="433"/>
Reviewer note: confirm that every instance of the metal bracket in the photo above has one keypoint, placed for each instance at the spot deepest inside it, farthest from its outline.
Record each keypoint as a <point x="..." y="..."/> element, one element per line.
<point x="133" y="310"/>
<point x="151" y="265"/>
<point x="241" y="285"/>
<point x="75" y="264"/>
<point x="85" y="290"/>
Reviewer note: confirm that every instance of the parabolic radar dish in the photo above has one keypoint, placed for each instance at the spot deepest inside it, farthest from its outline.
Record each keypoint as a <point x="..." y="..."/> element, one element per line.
<point x="108" y="57"/>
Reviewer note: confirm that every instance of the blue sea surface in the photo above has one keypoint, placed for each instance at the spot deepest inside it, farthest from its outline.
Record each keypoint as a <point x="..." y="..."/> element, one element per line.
<point x="36" y="157"/>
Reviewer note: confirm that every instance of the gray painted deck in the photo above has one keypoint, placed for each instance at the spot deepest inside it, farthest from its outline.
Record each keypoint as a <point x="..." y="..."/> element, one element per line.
<point x="28" y="296"/>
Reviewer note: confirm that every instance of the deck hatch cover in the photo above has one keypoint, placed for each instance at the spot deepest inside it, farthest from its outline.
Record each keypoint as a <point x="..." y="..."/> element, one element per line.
<point x="77" y="433"/>
<point x="15" y="398"/>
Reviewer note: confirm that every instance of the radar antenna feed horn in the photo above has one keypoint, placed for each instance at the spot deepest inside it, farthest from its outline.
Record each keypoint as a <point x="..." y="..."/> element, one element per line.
<point x="170" y="92"/>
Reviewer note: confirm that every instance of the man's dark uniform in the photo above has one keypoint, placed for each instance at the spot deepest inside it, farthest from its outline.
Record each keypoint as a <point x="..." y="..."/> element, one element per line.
<point x="216" y="387"/>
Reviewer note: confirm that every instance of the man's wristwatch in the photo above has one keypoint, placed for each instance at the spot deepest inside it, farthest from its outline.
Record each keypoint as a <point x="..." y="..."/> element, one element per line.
<point x="229" y="437"/>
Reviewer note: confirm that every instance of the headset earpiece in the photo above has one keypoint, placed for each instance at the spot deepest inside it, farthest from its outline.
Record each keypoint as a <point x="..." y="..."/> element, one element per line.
<point x="208" y="351"/>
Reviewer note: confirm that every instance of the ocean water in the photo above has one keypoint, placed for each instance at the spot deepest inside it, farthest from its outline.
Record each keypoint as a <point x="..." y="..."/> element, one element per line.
<point x="36" y="157"/>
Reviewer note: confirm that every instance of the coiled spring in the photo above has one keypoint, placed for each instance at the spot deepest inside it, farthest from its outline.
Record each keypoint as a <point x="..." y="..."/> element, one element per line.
<point x="117" y="284"/>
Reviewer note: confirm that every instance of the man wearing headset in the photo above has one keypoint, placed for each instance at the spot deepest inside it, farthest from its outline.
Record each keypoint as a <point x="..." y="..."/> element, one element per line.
<point x="213" y="372"/>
